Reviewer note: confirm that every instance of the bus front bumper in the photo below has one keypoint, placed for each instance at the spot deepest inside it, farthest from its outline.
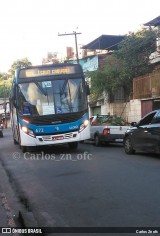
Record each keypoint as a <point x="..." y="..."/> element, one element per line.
<point x="52" y="139"/>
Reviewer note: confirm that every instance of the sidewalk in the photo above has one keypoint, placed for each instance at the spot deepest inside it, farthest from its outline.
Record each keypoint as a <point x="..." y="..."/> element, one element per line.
<point x="7" y="200"/>
<point x="6" y="214"/>
<point x="3" y="213"/>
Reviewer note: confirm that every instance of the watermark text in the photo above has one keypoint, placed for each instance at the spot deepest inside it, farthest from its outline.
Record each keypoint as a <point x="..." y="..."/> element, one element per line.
<point x="85" y="156"/>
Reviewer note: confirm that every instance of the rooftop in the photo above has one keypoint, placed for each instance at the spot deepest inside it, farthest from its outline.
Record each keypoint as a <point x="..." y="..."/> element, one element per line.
<point x="105" y="42"/>
<point x="155" y="22"/>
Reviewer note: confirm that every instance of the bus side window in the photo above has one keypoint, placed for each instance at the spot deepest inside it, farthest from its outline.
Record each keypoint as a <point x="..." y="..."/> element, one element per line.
<point x="13" y="95"/>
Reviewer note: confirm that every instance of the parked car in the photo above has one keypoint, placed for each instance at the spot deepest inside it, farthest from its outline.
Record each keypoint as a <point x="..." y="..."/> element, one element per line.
<point x="107" y="128"/>
<point x="144" y="135"/>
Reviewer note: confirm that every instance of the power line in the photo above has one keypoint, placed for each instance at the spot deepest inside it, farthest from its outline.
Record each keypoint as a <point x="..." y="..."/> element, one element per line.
<point x="75" y="35"/>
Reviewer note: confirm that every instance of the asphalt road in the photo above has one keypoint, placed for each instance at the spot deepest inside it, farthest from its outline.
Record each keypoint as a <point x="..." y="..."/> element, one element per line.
<point x="93" y="186"/>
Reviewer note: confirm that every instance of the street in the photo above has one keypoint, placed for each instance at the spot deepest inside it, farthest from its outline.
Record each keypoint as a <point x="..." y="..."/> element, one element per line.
<point x="93" y="186"/>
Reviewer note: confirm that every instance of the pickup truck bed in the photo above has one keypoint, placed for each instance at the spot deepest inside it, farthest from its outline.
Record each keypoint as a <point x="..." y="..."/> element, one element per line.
<point x="103" y="132"/>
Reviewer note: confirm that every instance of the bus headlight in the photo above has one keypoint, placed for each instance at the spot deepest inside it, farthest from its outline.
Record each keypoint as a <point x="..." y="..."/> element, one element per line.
<point x="25" y="129"/>
<point x="28" y="131"/>
<point x="83" y="125"/>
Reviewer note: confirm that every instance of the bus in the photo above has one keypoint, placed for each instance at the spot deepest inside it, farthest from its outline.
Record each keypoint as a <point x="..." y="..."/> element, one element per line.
<point x="48" y="105"/>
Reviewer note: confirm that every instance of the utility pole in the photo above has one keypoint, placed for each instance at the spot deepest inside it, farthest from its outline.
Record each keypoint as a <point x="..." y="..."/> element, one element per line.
<point x="75" y="35"/>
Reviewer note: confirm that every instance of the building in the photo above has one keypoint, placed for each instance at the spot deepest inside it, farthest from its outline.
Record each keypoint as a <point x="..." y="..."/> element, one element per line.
<point x="146" y="89"/>
<point x="103" y="47"/>
<point x="52" y="57"/>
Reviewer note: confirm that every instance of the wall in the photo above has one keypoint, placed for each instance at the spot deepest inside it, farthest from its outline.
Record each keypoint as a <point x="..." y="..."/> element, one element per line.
<point x="135" y="110"/>
<point x="130" y="111"/>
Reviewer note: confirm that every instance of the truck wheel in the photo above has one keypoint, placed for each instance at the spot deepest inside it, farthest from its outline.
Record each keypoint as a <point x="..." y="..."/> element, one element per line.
<point x="73" y="145"/>
<point x="128" y="146"/>
<point x="97" y="141"/>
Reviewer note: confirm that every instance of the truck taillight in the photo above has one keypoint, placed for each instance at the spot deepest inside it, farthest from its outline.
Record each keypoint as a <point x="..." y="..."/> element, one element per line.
<point x="106" y="131"/>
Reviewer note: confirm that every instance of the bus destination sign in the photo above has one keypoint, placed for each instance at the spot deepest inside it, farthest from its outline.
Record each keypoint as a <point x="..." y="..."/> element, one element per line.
<point x="27" y="73"/>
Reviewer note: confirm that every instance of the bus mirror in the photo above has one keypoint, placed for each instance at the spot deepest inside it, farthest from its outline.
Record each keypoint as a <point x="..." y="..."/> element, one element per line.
<point x="14" y="103"/>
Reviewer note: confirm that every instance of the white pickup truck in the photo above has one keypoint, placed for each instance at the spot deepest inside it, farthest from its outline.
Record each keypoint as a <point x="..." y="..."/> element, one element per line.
<point x="107" y="128"/>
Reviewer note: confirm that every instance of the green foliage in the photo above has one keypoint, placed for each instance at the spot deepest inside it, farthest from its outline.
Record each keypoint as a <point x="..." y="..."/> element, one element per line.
<point x="3" y="76"/>
<point x="110" y="120"/>
<point x="6" y="79"/>
<point x="130" y="60"/>
<point x="4" y="85"/>
<point x="24" y="62"/>
<point x="107" y="79"/>
<point x="117" y="121"/>
<point x="135" y="50"/>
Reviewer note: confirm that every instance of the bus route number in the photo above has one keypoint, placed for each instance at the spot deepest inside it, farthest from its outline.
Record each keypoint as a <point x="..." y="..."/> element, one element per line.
<point x="39" y="130"/>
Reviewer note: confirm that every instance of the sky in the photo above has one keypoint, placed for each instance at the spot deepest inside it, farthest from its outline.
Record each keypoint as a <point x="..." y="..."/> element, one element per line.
<point x="29" y="28"/>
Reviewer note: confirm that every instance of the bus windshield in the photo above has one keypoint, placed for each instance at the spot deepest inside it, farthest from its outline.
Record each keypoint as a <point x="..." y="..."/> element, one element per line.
<point x="51" y="97"/>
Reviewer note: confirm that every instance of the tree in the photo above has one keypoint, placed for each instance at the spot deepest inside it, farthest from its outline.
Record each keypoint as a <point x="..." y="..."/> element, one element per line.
<point x="105" y="79"/>
<point x="6" y="79"/>
<point x="129" y="61"/>
<point x="4" y="87"/>
<point x="24" y="62"/>
<point x="3" y="76"/>
<point x="134" y="51"/>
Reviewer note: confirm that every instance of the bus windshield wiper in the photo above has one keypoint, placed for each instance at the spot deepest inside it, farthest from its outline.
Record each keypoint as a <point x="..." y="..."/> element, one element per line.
<point x="40" y="88"/>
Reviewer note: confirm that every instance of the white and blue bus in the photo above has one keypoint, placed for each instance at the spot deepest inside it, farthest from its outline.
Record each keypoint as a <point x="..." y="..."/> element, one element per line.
<point x="48" y="105"/>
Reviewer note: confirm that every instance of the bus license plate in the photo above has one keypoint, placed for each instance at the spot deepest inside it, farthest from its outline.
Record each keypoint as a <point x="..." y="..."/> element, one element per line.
<point x="57" y="138"/>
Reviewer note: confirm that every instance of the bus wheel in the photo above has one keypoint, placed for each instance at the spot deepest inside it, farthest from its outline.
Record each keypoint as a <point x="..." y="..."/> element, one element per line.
<point x="15" y="142"/>
<point x="73" y="145"/>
